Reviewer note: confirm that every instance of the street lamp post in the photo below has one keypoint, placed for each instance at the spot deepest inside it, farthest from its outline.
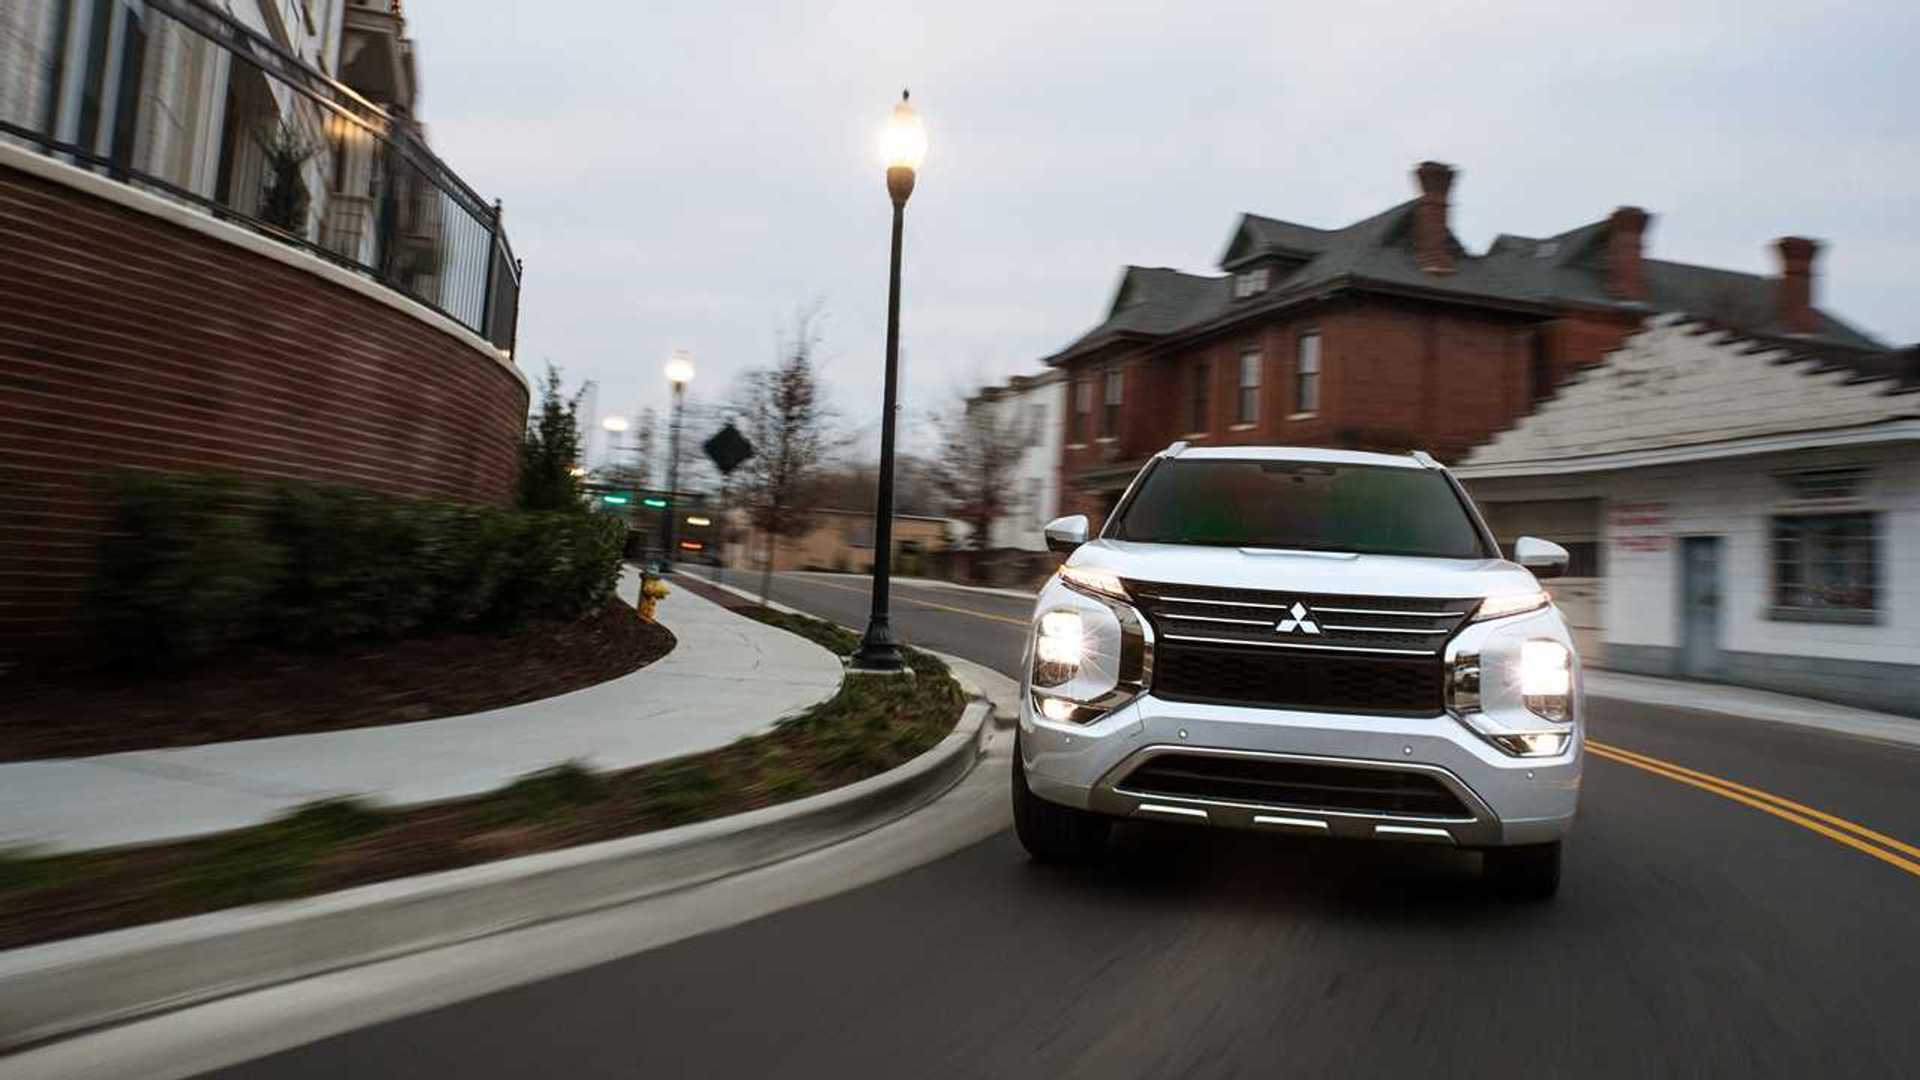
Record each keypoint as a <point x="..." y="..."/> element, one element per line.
<point x="905" y="146"/>
<point x="679" y="373"/>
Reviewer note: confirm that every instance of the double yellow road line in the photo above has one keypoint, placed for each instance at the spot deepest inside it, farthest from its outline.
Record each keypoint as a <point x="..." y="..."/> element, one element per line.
<point x="1838" y="829"/>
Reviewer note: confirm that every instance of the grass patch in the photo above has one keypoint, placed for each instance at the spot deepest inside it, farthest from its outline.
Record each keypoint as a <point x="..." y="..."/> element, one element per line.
<point x="837" y="640"/>
<point x="873" y="724"/>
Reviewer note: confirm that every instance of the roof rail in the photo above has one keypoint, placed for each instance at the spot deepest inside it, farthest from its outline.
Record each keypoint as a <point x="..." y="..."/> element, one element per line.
<point x="1426" y="460"/>
<point x="1175" y="449"/>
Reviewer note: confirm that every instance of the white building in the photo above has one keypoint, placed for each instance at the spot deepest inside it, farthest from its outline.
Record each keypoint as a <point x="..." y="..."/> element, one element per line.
<point x="1751" y="509"/>
<point x="1033" y="406"/>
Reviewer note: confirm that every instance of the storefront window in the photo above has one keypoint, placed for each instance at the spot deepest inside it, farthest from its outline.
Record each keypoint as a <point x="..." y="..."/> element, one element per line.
<point x="1826" y="566"/>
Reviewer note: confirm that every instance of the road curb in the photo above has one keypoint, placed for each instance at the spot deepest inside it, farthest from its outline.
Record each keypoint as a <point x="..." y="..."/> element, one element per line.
<point x="978" y="680"/>
<point x="64" y="987"/>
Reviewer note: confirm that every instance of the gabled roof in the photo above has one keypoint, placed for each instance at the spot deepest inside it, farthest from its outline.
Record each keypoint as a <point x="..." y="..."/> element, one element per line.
<point x="1154" y="300"/>
<point x="1680" y="388"/>
<point x="1537" y="275"/>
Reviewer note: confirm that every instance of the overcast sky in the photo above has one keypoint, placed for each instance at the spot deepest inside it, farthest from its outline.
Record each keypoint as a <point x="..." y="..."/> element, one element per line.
<point x="693" y="174"/>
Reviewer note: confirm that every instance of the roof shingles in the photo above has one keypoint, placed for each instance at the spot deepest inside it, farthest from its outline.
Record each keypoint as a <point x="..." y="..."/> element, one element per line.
<point x="1377" y="252"/>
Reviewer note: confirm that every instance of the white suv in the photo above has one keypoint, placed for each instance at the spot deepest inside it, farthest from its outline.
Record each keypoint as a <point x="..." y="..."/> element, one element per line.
<point x="1313" y="642"/>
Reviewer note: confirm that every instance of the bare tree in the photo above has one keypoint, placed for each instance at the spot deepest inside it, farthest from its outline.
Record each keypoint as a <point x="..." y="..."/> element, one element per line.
<point x="779" y="410"/>
<point x="980" y="449"/>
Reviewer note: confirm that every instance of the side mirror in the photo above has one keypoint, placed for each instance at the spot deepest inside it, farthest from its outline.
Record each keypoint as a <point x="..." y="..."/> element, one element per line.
<point x="1544" y="557"/>
<point x="1066" y="533"/>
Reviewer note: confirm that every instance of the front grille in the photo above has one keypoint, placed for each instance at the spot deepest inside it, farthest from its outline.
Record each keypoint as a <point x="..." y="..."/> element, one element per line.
<point x="1335" y="653"/>
<point x="1241" y="675"/>
<point x="1300" y="785"/>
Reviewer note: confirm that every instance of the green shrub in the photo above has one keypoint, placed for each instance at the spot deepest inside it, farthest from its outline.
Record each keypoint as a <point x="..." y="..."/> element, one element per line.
<point x="187" y="569"/>
<point x="196" y="564"/>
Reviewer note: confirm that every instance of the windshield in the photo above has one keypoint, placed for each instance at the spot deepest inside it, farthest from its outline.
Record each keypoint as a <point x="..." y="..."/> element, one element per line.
<point x="1303" y="505"/>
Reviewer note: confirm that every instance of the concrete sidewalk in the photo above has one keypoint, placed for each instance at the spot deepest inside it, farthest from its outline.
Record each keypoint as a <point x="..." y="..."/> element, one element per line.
<point x="726" y="678"/>
<point x="1752" y="705"/>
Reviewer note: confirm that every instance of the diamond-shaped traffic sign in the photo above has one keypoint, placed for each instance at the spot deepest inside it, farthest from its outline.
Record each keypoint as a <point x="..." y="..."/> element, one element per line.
<point x="728" y="448"/>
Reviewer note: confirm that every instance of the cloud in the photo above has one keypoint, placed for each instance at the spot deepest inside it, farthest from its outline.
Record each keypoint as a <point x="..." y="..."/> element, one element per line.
<point x="690" y="175"/>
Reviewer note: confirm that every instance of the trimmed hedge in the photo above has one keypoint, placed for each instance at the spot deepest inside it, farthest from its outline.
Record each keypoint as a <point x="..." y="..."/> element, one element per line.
<point x="197" y="564"/>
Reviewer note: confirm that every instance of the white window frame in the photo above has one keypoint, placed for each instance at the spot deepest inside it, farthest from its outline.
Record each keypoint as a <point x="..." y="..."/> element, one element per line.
<point x="1306" y="376"/>
<point x="1246" y="401"/>
<point x="1250" y="282"/>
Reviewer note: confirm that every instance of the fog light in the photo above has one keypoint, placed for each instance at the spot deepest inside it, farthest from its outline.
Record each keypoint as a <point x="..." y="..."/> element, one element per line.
<point x="1533" y="743"/>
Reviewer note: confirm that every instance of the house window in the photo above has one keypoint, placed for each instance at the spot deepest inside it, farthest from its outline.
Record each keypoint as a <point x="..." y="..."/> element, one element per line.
<point x="1082" y="406"/>
<point x="1826" y="567"/>
<point x="1249" y="410"/>
<point x="1306" y="375"/>
<point x="1250" y="283"/>
<point x="1539" y="367"/>
<point x="1110" y="422"/>
<point x="1198" y="420"/>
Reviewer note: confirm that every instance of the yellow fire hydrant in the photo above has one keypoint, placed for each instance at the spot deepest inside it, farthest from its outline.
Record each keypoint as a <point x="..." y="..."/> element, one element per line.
<point x="652" y="591"/>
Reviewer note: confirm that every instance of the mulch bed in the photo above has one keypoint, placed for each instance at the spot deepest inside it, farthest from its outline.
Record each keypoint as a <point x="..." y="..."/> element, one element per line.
<point x="263" y="691"/>
<point x="872" y="725"/>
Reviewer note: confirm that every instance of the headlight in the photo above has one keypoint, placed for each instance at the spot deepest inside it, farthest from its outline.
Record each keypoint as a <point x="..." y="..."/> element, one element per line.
<point x="1061" y="639"/>
<point x="1499" y="607"/>
<point x="1539" y="674"/>
<point x="1546" y="679"/>
<point x="1090" y="655"/>
<point x="1091" y="580"/>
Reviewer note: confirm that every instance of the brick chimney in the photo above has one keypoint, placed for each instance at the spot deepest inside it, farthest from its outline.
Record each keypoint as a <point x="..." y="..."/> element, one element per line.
<point x="1430" y="247"/>
<point x="1626" y="235"/>
<point x="1796" y="284"/>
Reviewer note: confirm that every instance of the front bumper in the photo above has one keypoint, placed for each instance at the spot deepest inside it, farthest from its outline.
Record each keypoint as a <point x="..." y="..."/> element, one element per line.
<point x="1507" y="800"/>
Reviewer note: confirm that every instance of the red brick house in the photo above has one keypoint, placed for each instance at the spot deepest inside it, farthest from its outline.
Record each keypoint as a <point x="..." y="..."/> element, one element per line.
<point x="1387" y="334"/>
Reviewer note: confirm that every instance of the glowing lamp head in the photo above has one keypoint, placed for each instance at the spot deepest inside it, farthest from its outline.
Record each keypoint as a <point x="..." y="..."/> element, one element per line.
<point x="679" y="368"/>
<point x="904" y="143"/>
<point x="615" y="424"/>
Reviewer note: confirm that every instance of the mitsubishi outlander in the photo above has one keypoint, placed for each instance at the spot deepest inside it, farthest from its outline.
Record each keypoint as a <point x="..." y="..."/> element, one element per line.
<point x="1311" y="642"/>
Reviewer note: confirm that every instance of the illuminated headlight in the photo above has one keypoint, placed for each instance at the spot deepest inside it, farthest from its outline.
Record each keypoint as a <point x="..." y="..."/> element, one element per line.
<point x="1546" y="679"/>
<point x="1090" y="656"/>
<point x="1061" y="639"/>
<point x="1092" y="580"/>
<point x="1539" y="673"/>
<point x="1501" y="606"/>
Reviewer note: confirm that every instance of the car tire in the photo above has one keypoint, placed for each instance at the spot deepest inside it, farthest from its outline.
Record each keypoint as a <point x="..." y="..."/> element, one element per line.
<point x="1052" y="833"/>
<point x="1524" y="872"/>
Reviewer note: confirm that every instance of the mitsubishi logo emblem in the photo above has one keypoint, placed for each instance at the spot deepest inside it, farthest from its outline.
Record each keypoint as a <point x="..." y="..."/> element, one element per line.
<point x="1298" y="621"/>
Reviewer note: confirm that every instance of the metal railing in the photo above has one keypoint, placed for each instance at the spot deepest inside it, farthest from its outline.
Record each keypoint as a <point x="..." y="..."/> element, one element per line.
<point x="179" y="98"/>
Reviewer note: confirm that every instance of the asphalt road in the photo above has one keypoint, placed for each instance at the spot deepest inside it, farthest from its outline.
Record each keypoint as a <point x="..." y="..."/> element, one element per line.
<point x="1694" y="935"/>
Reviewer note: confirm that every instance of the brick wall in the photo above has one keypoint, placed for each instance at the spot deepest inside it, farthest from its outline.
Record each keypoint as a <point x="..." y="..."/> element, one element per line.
<point x="1395" y="375"/>
<point x="127" y="340"/>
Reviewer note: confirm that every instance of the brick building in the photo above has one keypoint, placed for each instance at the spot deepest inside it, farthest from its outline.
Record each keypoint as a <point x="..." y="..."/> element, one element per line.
<point x="1387" y="334"/>
<point x="220" y="257"/>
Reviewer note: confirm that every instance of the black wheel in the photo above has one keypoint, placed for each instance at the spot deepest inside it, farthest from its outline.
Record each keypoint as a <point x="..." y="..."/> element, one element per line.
<point x="1051" y="832"/>
<point x="1527" y="872"/>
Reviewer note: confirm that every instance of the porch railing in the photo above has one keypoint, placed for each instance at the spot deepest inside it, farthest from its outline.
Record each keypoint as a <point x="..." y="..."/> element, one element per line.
<point x="179" y="98"/>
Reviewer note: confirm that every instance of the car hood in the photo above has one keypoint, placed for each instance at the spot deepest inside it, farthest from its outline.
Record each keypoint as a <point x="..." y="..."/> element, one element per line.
<point x="1305" y="571"/>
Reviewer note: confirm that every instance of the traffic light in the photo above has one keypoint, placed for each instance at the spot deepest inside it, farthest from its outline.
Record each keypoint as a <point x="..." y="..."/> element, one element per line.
<point x="614" y="499"/>
<point x="653" y="502"/>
